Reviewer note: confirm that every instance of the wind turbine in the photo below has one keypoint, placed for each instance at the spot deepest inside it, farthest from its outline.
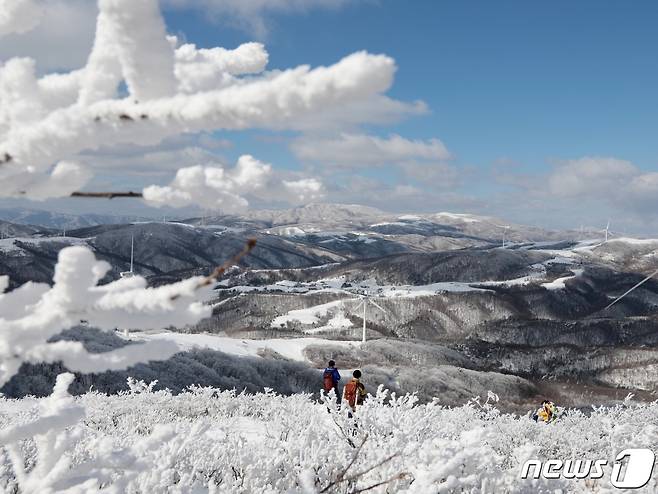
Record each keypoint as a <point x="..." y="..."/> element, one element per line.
<point x="131" y="273"/>
<point x="365" y="300"/>
<point x="607" y="231"/>
<point x="505" y="228"/>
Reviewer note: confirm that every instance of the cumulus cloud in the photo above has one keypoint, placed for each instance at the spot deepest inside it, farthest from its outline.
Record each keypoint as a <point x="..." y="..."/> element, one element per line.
<point x="19" y="16"/>
<point x="214" y="187"/>
<point x="251" y="15"/>
<point x="350" y="149"/>
<point x="63" y="42"/>
<point x="303" y="191"/>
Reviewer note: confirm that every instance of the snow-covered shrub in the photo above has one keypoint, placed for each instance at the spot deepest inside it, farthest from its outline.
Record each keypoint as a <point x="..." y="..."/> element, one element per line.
<point x="207" y="440"/>
<point x="138" y="88"/>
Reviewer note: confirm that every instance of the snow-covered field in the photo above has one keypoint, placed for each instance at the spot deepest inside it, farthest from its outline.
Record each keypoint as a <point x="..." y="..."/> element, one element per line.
<point x="206" y="440"/>
<point x="292" y="348"/>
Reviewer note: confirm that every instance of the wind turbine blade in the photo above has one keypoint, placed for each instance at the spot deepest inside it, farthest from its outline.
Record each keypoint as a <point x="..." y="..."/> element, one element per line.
<point x="359" y="306"/>
<point x="629" y="291"/>
<point x="378" y="306"/>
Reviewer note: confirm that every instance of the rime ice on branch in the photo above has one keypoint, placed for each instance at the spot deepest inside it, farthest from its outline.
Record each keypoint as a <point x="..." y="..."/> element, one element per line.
<point x="46" y="122"/>
<point x="34" y="313"/>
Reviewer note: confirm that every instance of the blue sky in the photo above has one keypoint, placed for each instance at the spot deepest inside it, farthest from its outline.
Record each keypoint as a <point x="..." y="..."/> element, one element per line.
<point x="528" y="81"/>
<point x="549" y="105"/>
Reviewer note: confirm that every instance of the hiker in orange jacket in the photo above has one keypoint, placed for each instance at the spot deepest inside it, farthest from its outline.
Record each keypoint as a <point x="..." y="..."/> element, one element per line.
<point x="354" y="392"/>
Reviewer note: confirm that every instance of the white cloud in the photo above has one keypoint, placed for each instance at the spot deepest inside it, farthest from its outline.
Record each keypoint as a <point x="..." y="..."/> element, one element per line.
<point x="252" y="15"/>
<point x="361" y="149"/>
<point x="303" y="191"/>
<point x="212" y="187"/>
<point x="645" y="185"/>
<point x="610" y="181"/>
<point x="419" y="161"/>
<point x="591" y="176"/>
<point x="215" y="187"/>
<point x="588" y="191"/>
<point x="61" y="42"/>
<point x="19" y="16"/>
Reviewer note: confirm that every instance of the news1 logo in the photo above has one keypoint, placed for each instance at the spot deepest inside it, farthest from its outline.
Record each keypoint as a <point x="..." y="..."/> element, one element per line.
<point x="632" y="469"/>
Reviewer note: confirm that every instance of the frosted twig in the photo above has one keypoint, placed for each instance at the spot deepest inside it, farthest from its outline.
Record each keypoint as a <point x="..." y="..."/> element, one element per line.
<point x="220" y="270"/>
<point x="399" y="476"/>
<point x="341" y="476"/>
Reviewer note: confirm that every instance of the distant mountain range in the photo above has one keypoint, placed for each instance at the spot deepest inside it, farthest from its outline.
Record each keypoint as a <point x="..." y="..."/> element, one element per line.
<point x="60" y="221"/>
<point x="321" y="219"/>
<point x="533" y="308"/>
<point x="355" y="237"/>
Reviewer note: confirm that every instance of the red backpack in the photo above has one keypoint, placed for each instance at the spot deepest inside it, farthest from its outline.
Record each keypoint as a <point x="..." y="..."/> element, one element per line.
<point x="328" y="379"/>
<point x="350" y="392"/>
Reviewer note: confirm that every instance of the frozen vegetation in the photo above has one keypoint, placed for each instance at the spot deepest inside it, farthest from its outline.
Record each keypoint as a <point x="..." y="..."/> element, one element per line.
<point x="206" y="440"/>
<point x="141" y="87"/>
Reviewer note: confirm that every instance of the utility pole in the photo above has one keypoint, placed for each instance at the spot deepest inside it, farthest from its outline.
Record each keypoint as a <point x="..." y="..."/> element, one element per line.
<point x="365" y="304"/>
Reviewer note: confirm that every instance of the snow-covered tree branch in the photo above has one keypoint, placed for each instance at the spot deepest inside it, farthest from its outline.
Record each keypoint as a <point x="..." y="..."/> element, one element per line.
<point x="138" y="87"/>
<point x="46" y="122"/>
<point x="34" y="313"/>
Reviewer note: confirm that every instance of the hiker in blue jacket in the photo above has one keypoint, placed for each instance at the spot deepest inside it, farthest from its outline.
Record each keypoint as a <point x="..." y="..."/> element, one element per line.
<point x="330" y="379"/>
